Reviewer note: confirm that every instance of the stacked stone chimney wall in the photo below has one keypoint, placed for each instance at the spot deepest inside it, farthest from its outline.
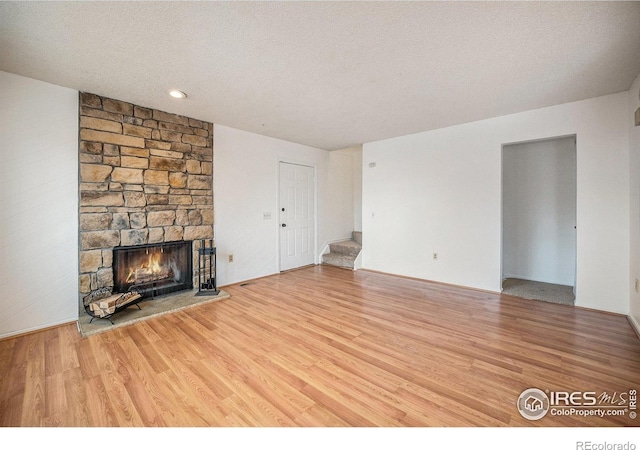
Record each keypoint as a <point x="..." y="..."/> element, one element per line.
<point x="146" y="176"/>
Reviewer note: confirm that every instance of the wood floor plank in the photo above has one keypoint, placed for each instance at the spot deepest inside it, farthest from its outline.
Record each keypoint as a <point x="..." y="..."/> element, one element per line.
<point x="11" y="411"/>
<point x="317" y="416"/>
<point x="267" y="384"/>
<point x="35" y="381"/>
<point x="87" y="359"/>
<point x="243" y="382"/>
<point x="55" y="401"/>
<point x="323" y="346"/>
<point x="75" y="388"/>
<point x="145" y="401"/>
<point x="68" y="339"/>
<point x="142" y="387"/>
<point x="428" y="409"/>
<point x="53" y="363"/>
<point x="99" y="405"/>
<point x="15" y="371"/>
<point x="384" y="402"/>
<point x="195" y="410"/>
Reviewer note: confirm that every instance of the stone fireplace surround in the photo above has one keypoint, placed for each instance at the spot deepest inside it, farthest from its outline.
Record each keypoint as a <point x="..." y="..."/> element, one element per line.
<point x="146" y="176"/>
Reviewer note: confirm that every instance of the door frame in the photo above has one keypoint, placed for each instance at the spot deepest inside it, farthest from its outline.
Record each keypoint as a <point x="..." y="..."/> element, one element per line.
<point x="315" y="207"/>
<point x="576" y="235"/>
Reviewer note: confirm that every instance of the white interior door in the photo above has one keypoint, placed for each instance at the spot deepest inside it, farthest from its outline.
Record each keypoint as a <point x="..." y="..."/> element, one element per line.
<point x="297" y="216"/>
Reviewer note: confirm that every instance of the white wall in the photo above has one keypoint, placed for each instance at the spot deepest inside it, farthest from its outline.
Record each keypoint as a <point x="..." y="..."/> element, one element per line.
<point x="340" y="194"/>
<point x="634" y="168"/>
<point x="39" y="205"/>
<point x="439" y="191"/>
<point x="539" y="211"/>
<point x="345" y="191"/>
<point x="246" y="185"/>
<point x="357" y="188"/>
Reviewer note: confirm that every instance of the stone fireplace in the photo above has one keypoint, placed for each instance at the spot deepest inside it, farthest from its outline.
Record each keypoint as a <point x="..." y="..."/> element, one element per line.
<point x="146" y="182"/>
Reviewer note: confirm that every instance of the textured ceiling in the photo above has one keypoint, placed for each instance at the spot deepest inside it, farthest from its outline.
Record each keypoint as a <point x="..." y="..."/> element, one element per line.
<point x="328" y="74"/>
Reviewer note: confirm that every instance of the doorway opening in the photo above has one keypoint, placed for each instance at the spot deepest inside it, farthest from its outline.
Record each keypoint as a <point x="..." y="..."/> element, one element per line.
<point x="539" y="219"/>
<point x="296" y="215"/>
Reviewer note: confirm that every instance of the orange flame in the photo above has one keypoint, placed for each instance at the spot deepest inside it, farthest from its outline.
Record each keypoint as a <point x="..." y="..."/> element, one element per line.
<point x="149" y="270"/>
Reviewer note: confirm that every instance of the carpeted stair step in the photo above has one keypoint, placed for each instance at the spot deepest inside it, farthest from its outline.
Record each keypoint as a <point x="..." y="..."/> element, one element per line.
<point x="338" y="260"/>
<point x="344" y="253"/>
<point x="348" y="248"/>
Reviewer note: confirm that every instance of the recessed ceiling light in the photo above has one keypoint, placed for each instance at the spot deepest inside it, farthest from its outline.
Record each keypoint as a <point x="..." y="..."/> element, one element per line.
<point x="177" y="94"/>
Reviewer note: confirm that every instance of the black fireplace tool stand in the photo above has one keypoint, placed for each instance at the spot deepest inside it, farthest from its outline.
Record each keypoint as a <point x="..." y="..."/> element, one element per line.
<point x="207" y="266"/>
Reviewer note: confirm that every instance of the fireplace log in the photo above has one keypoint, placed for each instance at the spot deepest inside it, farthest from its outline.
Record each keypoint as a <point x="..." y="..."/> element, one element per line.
<point x="127" y="298"/>
<point x="107" y="306"/>
<point x="108" y="302"/>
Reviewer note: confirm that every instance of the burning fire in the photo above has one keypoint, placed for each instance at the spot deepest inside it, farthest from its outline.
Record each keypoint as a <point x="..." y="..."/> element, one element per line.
<point x="149" y="270"/>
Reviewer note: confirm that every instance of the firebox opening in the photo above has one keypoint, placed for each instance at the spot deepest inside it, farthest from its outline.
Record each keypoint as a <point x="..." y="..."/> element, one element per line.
<point x="153" y="269"/>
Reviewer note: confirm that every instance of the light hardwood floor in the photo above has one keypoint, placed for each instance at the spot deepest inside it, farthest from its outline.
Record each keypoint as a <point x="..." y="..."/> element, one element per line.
<point x="322" y="346"/>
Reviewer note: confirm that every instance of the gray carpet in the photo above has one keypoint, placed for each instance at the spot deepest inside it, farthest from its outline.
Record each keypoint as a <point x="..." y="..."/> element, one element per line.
<point x="535" y="290"/>
<point x="149" y="308"/>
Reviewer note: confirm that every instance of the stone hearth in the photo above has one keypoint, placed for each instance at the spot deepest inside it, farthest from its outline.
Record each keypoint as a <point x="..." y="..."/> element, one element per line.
<point x="149" y="309"/>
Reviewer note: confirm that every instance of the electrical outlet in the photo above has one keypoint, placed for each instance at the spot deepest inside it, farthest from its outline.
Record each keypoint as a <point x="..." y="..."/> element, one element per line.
<point x="435" y="256"/>
<point x="230" y="258"/>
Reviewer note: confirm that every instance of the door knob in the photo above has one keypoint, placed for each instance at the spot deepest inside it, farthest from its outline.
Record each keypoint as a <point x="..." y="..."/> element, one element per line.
<point x="284" y="225"/>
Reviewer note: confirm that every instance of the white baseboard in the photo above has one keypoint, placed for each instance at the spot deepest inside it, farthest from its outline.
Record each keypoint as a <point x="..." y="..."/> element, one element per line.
<point x="634" y="324"/>
<point x="38" y="328"/>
